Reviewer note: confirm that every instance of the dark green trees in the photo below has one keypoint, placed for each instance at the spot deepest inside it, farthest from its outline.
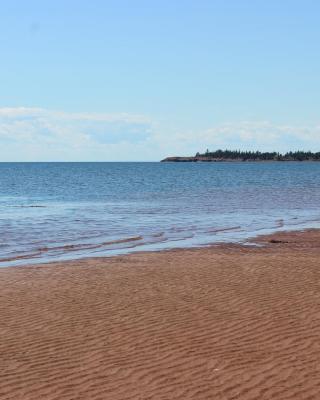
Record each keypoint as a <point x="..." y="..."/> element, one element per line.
<point x="260" y="156"/>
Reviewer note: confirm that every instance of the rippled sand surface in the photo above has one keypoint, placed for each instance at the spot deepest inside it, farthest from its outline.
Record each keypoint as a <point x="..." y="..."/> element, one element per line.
<point x="225" y="322"/>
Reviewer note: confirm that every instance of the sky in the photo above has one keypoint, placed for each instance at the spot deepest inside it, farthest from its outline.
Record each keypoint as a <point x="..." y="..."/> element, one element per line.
<point x="141" y="80"/>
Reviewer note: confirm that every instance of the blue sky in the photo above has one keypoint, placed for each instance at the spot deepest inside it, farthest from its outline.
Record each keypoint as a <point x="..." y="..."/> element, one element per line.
<point x="140" y="80"/>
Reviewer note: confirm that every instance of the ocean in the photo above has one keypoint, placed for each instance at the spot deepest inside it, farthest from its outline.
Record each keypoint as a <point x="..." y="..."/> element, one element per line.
<point x="62" y="211"/>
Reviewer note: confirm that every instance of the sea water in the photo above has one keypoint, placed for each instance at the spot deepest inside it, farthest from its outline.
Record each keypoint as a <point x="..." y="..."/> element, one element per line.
<point x="61" y="211"/>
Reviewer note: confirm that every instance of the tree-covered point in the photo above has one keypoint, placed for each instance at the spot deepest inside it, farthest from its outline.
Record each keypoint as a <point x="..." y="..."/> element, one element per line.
<point x="260" y="156"/>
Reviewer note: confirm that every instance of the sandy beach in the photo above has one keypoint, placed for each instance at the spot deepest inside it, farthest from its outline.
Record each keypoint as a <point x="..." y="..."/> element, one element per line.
<point x="223" y="322"/>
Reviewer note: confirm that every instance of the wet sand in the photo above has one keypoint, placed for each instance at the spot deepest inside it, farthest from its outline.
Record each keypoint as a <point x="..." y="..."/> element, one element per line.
<point x="225" y="322"/>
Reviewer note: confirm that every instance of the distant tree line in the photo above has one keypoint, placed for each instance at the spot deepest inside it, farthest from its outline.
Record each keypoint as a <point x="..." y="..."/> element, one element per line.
<point x="260" y="156"/>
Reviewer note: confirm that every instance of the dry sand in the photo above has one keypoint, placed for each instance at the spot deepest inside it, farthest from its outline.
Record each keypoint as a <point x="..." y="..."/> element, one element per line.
<point x="226" y="322"/>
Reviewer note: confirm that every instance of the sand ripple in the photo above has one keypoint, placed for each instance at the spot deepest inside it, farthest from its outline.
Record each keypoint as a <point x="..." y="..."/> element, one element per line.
<point x="226" y="322"/>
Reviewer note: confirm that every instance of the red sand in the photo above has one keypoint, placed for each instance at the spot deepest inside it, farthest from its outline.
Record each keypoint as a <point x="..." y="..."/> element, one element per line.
<point x="226" y="322"/>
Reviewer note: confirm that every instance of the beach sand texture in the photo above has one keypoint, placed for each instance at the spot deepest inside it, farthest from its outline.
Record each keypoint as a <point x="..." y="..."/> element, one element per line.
<point x="225" y="322"/>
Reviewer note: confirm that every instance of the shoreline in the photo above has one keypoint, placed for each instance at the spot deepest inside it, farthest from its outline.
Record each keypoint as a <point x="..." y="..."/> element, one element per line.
<point x="225" y="321"/>
<point x="192" y="159"/>
<point x="246" y="241"/>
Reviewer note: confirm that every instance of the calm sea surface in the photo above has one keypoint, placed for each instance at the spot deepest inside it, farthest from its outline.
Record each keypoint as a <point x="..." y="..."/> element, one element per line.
<point x="59" y="211"/>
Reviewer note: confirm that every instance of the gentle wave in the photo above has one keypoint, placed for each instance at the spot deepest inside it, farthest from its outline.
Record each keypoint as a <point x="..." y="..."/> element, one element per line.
<point x="70" y="248"/>
<point x="217" y="230"/>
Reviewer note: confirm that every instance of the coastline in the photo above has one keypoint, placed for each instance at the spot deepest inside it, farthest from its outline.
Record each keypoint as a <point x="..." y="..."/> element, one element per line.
<point x="192" y="159"/>
<point x="225" y="321"/>
<point x="245" y="239"/>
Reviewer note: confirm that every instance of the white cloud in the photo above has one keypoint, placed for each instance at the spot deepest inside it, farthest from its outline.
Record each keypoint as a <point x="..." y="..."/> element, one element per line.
<point x="40" y="134"/>
<point x="261" y="135"/>
<point x="28" y="134"/>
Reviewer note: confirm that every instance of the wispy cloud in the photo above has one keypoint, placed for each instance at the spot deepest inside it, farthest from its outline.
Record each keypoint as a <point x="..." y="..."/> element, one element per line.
<point x="29" y="134"/>
<point x="43" y="134"/>
<point x="251" y="135"/>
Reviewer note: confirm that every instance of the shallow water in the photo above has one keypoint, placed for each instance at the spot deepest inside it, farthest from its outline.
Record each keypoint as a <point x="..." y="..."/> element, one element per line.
<point x="59" y="211"/>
